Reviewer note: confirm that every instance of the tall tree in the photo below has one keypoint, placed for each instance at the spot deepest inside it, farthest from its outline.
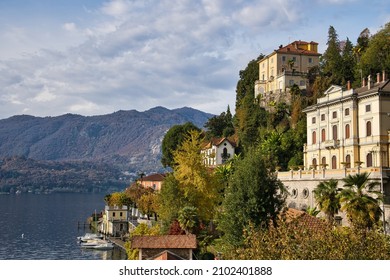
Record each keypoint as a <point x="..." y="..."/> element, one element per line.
<point x="348" y="63"/>
<point x="331" y="61"/>
<point x="172" y="139"/>
<point x="246" y="83"/>
<point x="326" y="195"/>
<point x="169" y="201"/>
<point x="361" y="201"/>
<point x="200" y="187"/>
<point x="253" y="196"/>
<point x="376" y="57"/>
<point x="249" y="116"/>
<point x="220" y="126"/>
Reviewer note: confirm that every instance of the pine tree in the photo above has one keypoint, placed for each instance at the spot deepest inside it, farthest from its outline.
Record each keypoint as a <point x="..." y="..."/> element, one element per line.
<point x="348" y="63"/>
<point x="331" y="59"/>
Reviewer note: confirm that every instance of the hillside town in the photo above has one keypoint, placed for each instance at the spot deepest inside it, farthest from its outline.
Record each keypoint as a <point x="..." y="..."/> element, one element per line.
<point x="222" y="195"/>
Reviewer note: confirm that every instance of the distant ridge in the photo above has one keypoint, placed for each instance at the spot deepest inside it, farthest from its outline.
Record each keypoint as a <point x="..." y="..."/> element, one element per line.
<point x="127" y="140"/>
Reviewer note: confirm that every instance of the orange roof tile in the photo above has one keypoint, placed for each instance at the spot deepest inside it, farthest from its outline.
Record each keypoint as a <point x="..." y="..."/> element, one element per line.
<point x="164" y="242"/>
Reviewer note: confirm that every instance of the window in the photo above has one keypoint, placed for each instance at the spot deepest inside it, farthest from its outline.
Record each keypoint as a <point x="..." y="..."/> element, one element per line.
<point x="120" y="214"/>
<point x="334" y="130"/>
<point x="310" y="60"/>
<point x="323" y="135"/>
<point x="347" y="131"/>
<point x="313" y="137"/>
<point x="283" y="58"/>
<point x="369" y="159"/>
<point x="301" y="82"/>
<point x="291" y="82"/>
<point x="368" y="128"/>
<point x="368" y="108"/>
<point x="313" y="120"/>
<point x="348" y="161"/>
<point x="294" y="59"/>
<point x="334" y="162"/>
<point x="322" y="117"/>
<point x="294" y="193"/>
<point x="334" y="114"/>
<point x="113" y="214"/>
<point x="305" y="193"/>
<point x="314" y="163"/>
<point x="346" y="112"/>
<point x="323" y="161"/>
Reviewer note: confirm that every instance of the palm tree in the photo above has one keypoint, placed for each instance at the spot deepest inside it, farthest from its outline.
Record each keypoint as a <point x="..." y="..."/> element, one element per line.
<point x="326" y="195"/>
<point x="360" y="201"/>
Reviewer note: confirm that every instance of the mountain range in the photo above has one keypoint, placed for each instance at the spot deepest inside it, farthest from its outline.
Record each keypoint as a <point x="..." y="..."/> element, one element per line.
<point x="124" y="142"/>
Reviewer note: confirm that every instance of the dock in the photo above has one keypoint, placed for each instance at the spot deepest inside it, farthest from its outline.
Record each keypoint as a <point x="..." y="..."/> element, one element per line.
<point x="117" y="241"/>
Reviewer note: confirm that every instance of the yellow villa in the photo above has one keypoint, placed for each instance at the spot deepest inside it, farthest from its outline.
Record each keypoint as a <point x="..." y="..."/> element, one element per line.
<point x="283" y="68"/>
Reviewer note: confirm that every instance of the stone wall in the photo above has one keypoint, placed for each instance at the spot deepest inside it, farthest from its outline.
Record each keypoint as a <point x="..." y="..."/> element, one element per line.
<point x="301" y="188"/>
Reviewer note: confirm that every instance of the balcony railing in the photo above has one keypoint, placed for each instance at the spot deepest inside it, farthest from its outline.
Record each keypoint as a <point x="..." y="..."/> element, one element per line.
<point x="328" y="144"/>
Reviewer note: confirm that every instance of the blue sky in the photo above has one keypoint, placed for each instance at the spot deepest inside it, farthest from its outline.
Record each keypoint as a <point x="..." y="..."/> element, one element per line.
<point x="96" y="57"/>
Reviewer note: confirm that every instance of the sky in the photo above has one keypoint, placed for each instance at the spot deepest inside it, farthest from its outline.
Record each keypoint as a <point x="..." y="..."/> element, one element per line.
<point x="95" y="57"/>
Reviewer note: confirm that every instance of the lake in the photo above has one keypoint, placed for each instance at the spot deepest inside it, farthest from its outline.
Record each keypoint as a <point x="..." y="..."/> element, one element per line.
<point x="45" y="227"/>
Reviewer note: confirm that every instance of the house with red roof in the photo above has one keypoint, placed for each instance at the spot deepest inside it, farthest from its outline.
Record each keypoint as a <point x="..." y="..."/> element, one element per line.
<point x="284" y="67"/>
<point x="218" y="150"/>
<point x="153" y="181"/>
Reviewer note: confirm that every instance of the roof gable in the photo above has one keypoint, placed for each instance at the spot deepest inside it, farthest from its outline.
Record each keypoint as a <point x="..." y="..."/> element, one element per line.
<point x="333" y="89"/>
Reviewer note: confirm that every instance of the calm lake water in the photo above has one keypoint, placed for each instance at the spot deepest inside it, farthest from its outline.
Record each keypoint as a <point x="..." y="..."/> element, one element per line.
<point x="45" y="227"/>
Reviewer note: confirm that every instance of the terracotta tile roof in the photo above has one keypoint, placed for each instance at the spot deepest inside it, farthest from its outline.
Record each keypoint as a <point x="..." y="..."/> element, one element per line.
<point x="304" y="220"/>
<point x="381" y="86"/>
<point x="164" y="242"/>
<point x="154" y="177"/>
<point x="294" y="47"/>
<point x="216" y="141"/>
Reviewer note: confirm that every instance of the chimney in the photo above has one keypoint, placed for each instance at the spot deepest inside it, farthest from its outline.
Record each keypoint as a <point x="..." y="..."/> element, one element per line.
<point x="378" y="77"/>
<point x="364" y="82"/>
<point x="370" y="82"/>
<point x="348" y="85"/>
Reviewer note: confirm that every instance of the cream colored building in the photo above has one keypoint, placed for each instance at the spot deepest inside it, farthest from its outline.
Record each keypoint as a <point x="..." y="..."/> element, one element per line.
<point x="115" y="221"/>
<point x="283" y="68"/>
<point x="348" y="132"/>
<point x="349" y="127"/>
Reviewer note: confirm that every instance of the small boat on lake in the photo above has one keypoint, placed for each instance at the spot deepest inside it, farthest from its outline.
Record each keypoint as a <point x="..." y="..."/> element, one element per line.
<point x="90" y="236"/>
<point x="97" y="244"/>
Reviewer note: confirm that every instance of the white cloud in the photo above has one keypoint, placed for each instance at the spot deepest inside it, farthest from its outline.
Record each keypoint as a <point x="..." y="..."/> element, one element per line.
<point x="116" y="8"/>
<point x="140" y="54"/>
<point x="69" y="26"/>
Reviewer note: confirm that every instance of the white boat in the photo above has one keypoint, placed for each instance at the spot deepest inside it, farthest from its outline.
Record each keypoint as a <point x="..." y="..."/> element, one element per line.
<point x="105" y="246"/>
<point x="90" y="236"/>
<point x="97" y="244"/>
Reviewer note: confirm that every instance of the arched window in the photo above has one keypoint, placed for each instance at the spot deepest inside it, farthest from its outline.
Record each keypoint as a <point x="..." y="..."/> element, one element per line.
<point x="334" y="130"/>
<point x="323" y="135"/>
<point x="314" y="163"/>
<point x="323" y="161"/>
<point x="347" y="131"/>
<point x="334" y="162"/>
<point x="314" y="140"/>
<point x="348" y="161"/>
<point x="368" y="128"/>
<point x="369" y="159"/>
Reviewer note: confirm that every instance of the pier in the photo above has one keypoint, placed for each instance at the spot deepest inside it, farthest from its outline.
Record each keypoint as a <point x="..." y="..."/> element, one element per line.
<point x="117" y="241"/>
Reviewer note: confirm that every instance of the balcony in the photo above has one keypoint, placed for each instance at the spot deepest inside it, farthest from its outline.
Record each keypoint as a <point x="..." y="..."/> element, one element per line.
<point x="331" y="144"/>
